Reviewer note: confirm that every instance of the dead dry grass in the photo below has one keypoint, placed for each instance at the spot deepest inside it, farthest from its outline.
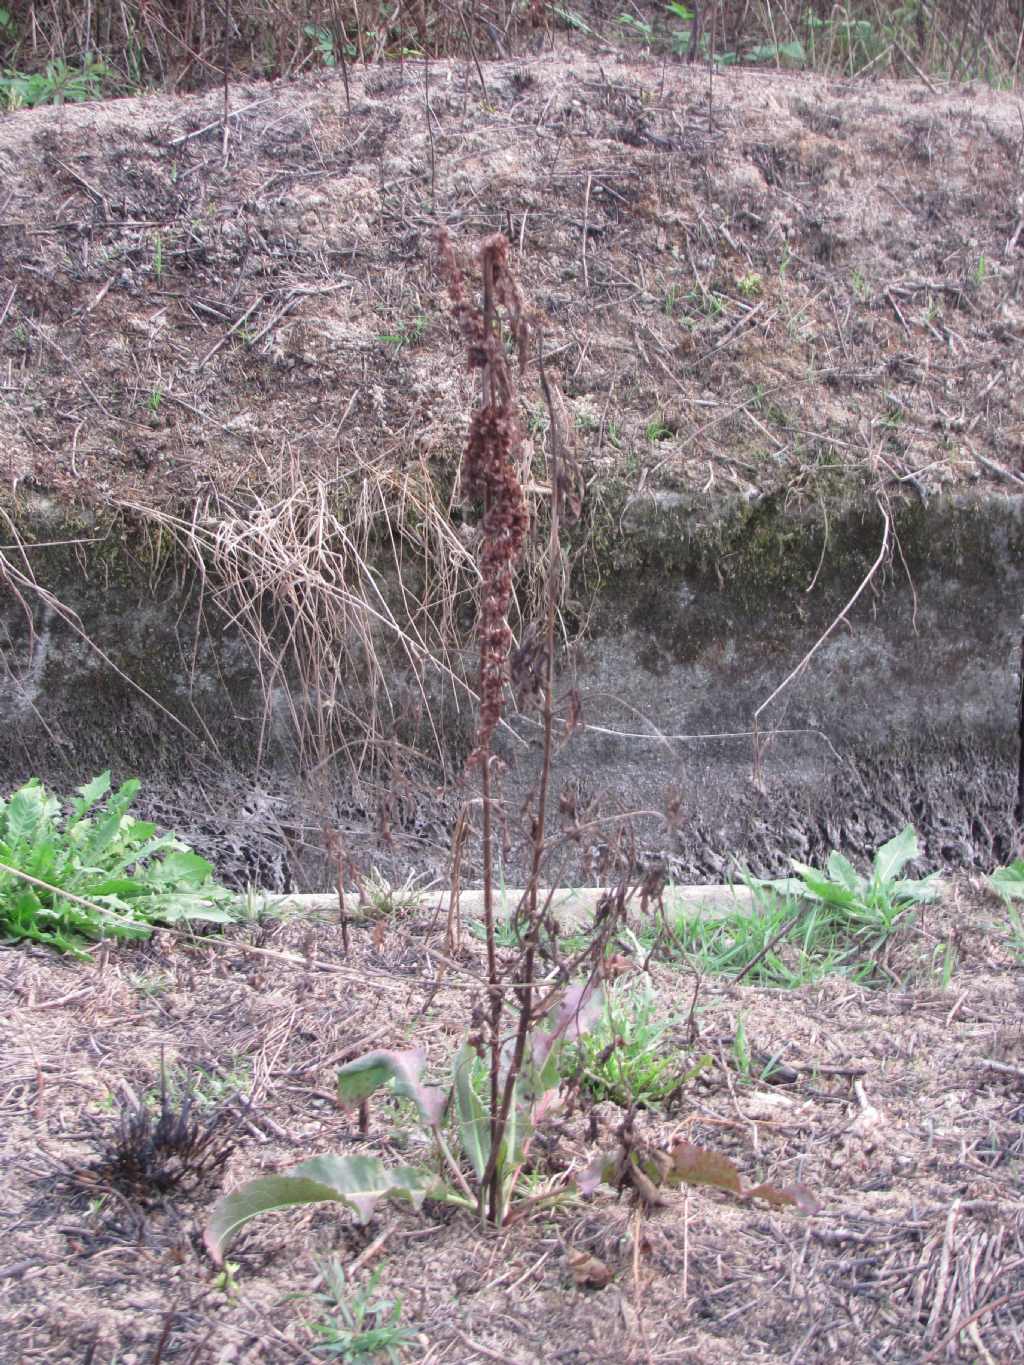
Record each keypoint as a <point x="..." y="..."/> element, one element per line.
<point x="187" y="47"/>
<point x="895" y="1118"/>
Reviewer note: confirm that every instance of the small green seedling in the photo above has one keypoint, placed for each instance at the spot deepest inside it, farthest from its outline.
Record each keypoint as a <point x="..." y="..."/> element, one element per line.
<point x="225" y="1281"/>
<point x="360" y="1325"/>
<point x="657" y="429"/>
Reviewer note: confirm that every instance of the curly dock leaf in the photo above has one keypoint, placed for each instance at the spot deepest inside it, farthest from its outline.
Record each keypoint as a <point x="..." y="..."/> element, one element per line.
<point x="358" y="1080"/>
<point x="358" y="1182"/>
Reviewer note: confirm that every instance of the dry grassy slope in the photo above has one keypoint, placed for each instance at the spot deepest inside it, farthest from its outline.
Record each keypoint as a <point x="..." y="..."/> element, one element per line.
<point x="755" y="280"/>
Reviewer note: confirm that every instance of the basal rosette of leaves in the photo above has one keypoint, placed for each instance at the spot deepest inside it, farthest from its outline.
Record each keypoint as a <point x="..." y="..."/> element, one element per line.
<point x="95" y="872"/>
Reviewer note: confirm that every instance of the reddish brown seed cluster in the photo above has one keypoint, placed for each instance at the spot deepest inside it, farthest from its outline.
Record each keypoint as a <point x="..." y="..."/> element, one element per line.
<point x="491" y="459"/>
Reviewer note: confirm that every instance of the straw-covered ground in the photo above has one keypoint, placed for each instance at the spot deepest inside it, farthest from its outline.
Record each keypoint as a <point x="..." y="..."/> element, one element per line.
<point x="899" y="1108"/>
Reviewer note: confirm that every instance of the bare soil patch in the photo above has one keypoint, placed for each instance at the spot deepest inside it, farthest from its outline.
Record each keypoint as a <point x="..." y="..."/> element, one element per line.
<point x="917" y="1252"/>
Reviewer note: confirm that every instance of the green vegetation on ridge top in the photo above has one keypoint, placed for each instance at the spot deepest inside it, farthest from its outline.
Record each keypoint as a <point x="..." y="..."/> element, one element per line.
<point x="96" y="872"/>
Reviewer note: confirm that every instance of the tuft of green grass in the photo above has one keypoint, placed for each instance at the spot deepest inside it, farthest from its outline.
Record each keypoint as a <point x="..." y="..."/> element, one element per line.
<point x="387" y="900"/>
<point x="629" y="1056"/>
<point x="799" y="929"/>
<point x="657" y="429"/>
<point x="360" y="1324"/>
<point x="777" y="943"/>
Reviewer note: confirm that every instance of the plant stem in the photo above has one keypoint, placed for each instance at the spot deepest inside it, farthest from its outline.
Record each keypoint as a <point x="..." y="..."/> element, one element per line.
<point x="453" y="1165"/>
<point x="525" y="988"/>
<point x="490" y="1185"/>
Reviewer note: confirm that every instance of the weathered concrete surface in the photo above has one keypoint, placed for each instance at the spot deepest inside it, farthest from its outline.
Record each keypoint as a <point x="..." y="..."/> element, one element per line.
<point x="907" y="712"/>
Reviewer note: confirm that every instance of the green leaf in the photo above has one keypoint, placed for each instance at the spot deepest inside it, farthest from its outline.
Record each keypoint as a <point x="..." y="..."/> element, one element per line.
<point x="184" y="869"/>
<point x="402" y="1070"/>
<point x="1008" y="882"/>
<point x="915" y="891"/>
<point x="358" y="1182"/>
<point x="794" y="51"/>
<point x="99" y="857"/>
<point x="784" y="886"/>
<point x="841" y="870"/>
<point x="173" y="908"/>
<point x="102" y="837"/>
<point x="88" y="796"/>
<point x="474" y="1123"/>
<point x="817" y="885"/>
<point x="770" y="52"/>
<point x="892" y="857"/>
<point x="29" y="813"/>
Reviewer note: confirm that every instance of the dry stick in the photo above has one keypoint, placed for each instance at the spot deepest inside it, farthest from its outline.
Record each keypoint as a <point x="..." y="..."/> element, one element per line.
<point x="342" y="36"/>
<point x="484" y="1351"/>
<point x="1003" y="1067"/>
<point x="586" y="277"/>
<point x="962" y="1326"/>
<point x="993" y="466"/>
<point x="368" y="1253"/>
<point x="10" y="300"/>
<point x="822" y="638"/>
<point x="217" y="123"/>
<point x="229" y="333"/>
<point x="939" y="1296"/>
<point x="1018" y="813"/>
<point x="453" y="934"/>
<point x="227" y="41"/>
<point x="769" y="946"/>
<point x="916" y="69"/>
<point x="430" y="133"/>
<point x="472" y="52"/>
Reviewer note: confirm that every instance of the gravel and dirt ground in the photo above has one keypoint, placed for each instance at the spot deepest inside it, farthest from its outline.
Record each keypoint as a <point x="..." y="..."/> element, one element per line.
<point x="901" y="1110"/>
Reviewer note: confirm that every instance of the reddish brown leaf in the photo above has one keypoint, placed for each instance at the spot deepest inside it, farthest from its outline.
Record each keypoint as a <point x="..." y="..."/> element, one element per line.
<point x="587" y="1270"/>
<point x="798" y="1196"/>
<point x="699" y="1166"/>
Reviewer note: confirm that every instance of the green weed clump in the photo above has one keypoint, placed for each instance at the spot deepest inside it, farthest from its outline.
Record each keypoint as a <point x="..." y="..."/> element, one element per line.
<point x="361" y="1325"/>
<point x="56" y="83"/>
<point x="628" y="1057"/>
<point x="96" y="872"/>
<point x="820" y="922"/>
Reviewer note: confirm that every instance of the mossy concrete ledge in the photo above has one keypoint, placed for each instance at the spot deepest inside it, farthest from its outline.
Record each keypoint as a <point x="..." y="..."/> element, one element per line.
<point x="697" y="609"/>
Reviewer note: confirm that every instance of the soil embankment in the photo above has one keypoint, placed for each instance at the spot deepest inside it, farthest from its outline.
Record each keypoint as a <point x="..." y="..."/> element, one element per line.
<point x="785" y="314"/>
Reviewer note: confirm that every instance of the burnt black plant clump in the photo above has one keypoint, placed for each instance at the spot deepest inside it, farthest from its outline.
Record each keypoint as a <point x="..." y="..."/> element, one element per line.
<point x="175" y="1146"/>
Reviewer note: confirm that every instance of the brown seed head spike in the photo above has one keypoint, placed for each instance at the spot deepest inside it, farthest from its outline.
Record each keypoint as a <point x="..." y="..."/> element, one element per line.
<point x="492" y="457"/>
